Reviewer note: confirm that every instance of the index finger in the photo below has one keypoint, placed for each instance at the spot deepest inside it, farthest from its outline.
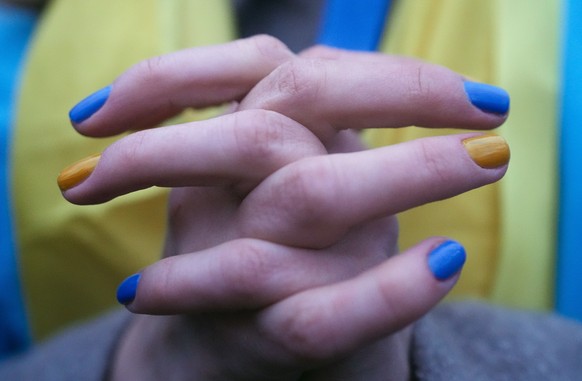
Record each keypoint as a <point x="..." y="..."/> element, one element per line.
<point x="159" y="88"/>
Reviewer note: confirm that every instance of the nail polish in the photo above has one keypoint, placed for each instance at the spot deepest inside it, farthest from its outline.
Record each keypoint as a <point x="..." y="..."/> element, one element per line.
<point x="127" y="289"/>
<point x="488" y="151"/>
<point x="89" y="106"/>
<point x="487" y="98"/>
<point x="78" y="172"/>
<point x="446" y="260"/>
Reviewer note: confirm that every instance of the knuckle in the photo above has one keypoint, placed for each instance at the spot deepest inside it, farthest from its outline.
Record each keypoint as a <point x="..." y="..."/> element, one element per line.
<point x="401" y="308"/>
<point x="157" y="294"/>
<point x="305" y="192"/>
<point x="263" y="136"/>
<point x="392" y="307"/>
<point x="131" y="151"/>
<point x="155" y="70"/>
<point x="435" y="162"/>
<point x="419" y="81"/>
<point x="150" y="70"/>
<point x="299" y="79"/>
<point x="259" y="134"/>
<point x="247" y="271"/>
<point x="306" y="335"/>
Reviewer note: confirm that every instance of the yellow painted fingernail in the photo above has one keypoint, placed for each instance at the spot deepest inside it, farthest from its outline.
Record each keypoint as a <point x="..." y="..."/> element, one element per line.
<point x="78" y="172"/>
<point x="488" y="151"/>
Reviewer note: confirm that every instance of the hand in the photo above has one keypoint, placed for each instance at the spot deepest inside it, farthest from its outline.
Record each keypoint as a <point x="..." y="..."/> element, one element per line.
<point x="302" y="279"/>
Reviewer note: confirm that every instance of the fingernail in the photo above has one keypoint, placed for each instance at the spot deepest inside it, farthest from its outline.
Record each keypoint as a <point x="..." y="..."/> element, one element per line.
<point x="78" y="172"/>
<point x="446" y="260"/>
<point x="89" y="106"/>
<point x="127" y="289"/>
<point x="486" y="97"/>
<point x="488" y="151"/>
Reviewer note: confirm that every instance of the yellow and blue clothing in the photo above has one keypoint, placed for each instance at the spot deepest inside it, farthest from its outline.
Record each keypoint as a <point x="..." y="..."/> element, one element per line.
<point x="71" y="258"/>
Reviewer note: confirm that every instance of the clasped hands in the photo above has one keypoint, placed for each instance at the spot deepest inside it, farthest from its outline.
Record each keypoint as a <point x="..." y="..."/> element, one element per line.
<point x="280" y="261"/>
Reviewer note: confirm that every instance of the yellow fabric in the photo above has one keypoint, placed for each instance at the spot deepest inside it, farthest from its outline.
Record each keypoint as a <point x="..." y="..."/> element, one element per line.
<point x="73" y="257"/>
<point x="507" y="228"/>
<point x="528" y="68"/>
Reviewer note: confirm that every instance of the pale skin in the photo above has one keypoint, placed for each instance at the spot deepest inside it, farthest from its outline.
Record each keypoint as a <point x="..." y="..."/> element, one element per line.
<point x="280" y="258"/>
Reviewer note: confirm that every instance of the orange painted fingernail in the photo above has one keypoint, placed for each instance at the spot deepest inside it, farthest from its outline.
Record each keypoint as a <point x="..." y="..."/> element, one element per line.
<point x="488" y="151"/>
<point x="78" y="172"/>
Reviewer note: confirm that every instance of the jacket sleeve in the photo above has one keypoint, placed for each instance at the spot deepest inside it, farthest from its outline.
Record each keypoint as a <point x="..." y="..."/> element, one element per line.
<point x="473" y="341"/>
<point x="81" y="352"/>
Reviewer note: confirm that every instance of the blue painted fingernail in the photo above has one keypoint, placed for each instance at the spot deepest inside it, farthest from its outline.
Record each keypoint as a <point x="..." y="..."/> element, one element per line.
<point x="89" y="106"/>
<point x="446" y="260"/>
<point x="127" y="289"/>
<point x="488" y="98"/>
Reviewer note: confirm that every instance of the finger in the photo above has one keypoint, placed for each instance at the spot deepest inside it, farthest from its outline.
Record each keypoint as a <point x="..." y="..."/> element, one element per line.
<point x="313" y="202"/>
<point x="239" y="275"/>
<point x="160" y="87"/>
<point x="235" y="148"/>
<point x="330" y="322"/>
<point x="375" y="90"/>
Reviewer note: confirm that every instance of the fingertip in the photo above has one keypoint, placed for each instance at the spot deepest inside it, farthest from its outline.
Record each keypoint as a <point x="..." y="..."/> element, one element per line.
<point x="446" y="260"/>
<point x="89" y="106"/>
<point x="127" y="290"/>
<point x="488" y="151"/>
<point x="487" y="98"/>
<point x="77" y="172"/>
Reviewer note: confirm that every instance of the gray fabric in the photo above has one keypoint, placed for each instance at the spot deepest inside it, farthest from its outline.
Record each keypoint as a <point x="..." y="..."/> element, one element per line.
<point x="475" y="342"/>
<point x="468" y="341"/>
<point x="79" y="353"/>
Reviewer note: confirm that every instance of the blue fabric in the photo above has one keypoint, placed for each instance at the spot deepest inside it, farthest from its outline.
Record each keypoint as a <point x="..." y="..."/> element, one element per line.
<point x="16" y="26"/>
<point x="354" y="24"/>
<point x="569" y="270"/>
